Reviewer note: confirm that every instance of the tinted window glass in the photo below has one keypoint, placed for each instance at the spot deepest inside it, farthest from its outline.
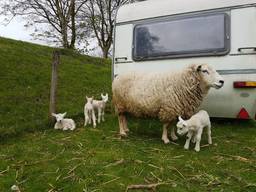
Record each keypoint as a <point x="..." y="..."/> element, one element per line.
<point x="194" y="35"/>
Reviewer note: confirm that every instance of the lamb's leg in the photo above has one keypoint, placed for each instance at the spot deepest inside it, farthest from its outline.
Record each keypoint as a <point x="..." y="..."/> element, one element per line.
<point x="121" y="124"/>
<point x="103" y="115"/>
<point x="85" y="118"/>
<point x="189" y="136"/>
<point x="90" y="117"/>
<point x="198" y="139"/>
<point x="93" y="119"/>
<point x="165" y="133"/>
<point x="209" y="134"/>
<point x="99" y="114"/>
<point x="173" y="135"/>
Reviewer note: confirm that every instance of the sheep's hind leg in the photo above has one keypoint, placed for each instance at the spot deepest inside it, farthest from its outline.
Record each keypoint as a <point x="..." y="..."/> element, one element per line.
<point x="173" y="135"/>
<point x="121" y="118"/>
<point x="165" y="133"/>
<point x="125" y="124"/>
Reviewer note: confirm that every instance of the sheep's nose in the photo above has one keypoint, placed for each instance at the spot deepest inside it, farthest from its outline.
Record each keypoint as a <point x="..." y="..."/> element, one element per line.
<point x="221" y="81"/>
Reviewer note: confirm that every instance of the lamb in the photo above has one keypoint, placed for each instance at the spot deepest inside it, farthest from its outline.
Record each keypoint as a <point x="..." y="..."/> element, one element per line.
<point x="89" y="114"/>
<point x="163" y="95"/>
<point x="100" y="105"/>
<point x="194" y="128"/>
<point x="63" y="123"/>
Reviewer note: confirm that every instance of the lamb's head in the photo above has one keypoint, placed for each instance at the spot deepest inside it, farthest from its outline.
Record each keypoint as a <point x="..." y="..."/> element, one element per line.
<point x="209" y="76"/>
<point x="182" y="126"/>
<point x="59" y="117"/>
<point x="89" y="99"/>
<point x="104" y="98"/>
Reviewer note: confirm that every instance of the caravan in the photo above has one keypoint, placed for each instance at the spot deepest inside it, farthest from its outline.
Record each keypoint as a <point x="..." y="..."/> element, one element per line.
<point x="170" y="34"/>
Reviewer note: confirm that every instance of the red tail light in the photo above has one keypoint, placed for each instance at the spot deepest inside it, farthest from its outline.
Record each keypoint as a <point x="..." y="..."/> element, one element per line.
<point x="244" y="84"/>
<point x="243" y="114"/>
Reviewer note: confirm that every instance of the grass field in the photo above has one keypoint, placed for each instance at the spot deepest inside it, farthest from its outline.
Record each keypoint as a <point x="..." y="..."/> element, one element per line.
<point x="37" y="158"/>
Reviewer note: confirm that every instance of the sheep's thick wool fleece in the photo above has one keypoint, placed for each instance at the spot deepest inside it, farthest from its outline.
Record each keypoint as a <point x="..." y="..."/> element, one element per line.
<point x="163" y="95"/>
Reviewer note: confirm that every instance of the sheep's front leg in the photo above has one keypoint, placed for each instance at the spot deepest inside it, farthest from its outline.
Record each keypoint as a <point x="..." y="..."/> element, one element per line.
<point x="189" y="136"/>
<point x="198" y="139"/>
<point x="209" y="134"/>
<point x="121" y="124"/>
<point x="165" y="133"/>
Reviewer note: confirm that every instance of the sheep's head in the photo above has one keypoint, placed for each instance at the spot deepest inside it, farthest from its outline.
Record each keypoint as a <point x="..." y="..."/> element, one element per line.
<point x="182" y="126"/>
<point x="59" y="117"/>
<point x="104" y="98"/>
<point x="209" y="76"/>
<point x="89" y="99"/>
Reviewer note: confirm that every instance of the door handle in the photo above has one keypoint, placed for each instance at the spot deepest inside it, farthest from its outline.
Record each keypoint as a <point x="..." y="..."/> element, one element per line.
<point x="247" y="48"/>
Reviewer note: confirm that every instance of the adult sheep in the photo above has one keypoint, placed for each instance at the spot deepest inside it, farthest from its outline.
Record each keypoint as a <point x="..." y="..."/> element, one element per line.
<point x="163" y="95"/>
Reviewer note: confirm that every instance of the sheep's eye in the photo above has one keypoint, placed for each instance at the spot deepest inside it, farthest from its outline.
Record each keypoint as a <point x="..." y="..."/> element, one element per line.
<point x="205" y="71"/>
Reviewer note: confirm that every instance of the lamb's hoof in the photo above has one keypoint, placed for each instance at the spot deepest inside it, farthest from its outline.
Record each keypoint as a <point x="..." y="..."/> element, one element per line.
<point x="197" y="149"/>
<point x="186" y="147"/>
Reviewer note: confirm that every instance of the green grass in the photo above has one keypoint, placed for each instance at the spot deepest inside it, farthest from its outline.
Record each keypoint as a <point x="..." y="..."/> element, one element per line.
<point x="36" y="157"/>
<point x="25" y="84"/>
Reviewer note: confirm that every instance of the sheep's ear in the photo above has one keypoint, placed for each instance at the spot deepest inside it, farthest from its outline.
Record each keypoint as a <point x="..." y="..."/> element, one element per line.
<point x="199" y="68"/>
<point x="64" y="114"/>
<point x="180" y="119"/>
<point x="53" y="114"/>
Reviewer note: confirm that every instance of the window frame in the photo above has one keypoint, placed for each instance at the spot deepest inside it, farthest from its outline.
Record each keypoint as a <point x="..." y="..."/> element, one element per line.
<point x="185" y="54"/>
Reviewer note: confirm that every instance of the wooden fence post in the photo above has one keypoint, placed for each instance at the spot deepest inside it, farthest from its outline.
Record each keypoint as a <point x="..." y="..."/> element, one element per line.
<point x="55" y="63"/>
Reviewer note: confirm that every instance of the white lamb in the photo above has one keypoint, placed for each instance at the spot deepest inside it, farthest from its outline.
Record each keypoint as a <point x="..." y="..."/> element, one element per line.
<point x="100" y="105"/>
<point x="63" y="123"/>
<point x="194" y="128"/>
<point x="89" y="114"/>
<point x="163" y="95"/>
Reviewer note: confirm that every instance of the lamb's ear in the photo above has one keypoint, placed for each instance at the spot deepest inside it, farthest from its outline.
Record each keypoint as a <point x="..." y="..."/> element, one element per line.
<point x="64" y="114"/>
<point x="199" y="68"/>
<point x="53" y="114"/>
<point x="106" y="95"/>
<point x="180" y="119"/>
<point x="86" y="97"/>
<point x="101" y="95"/>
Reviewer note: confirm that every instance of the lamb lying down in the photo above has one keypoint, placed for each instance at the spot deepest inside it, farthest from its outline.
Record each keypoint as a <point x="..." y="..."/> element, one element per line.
<point x="194" y="128"/>
<point x="63" y="123"/>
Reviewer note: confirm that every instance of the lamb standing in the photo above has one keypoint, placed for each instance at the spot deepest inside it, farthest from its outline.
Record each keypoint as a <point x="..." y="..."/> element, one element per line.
<point x="89" y="114"/>
<point x="63" y="123"/>
<point x="100" y="105"/>
<point x="194" y="128"/>
<point x="163" y="95"/>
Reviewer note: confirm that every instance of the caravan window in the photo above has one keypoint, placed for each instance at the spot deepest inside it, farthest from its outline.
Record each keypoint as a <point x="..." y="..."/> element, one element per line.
<point x="191" y="36"/>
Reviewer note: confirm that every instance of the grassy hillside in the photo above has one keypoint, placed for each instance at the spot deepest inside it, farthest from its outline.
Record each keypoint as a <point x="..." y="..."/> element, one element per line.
<point x="25" y="83"/>
<point x="90" y="160"/>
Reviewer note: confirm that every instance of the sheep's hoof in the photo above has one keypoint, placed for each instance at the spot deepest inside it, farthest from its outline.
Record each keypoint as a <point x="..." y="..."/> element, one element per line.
<point x="174" y="138"/>
<point x="123" y="134"/>
<point x="165" y="140"/>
